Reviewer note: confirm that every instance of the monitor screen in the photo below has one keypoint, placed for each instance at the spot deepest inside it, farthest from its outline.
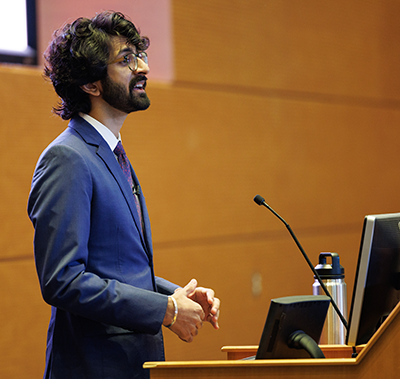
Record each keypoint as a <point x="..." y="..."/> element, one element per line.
<point x="377" y="282"/>
<point x="287" y="315"/>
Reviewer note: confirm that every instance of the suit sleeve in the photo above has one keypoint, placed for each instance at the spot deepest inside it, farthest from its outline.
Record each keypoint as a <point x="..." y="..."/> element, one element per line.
<point x="59" y="207"/>
<point x="165" y="287"/>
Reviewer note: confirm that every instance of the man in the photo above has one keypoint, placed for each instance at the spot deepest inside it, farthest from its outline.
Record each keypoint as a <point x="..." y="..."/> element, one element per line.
<point x="92" y="241"/>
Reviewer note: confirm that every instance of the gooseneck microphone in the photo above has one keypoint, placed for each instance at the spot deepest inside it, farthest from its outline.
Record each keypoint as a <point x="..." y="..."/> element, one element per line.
<point x="261" y="201"/>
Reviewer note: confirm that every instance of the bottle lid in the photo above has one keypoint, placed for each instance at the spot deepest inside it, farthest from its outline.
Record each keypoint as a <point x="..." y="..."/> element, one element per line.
<point x="332" y="270"/>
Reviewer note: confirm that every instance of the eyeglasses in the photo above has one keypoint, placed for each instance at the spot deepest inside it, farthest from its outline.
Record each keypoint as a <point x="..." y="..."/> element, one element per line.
<point x="131" y="60"/>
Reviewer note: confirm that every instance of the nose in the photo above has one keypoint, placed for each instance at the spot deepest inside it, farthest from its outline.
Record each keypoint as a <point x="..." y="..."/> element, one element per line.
<point x="142" y="67"/>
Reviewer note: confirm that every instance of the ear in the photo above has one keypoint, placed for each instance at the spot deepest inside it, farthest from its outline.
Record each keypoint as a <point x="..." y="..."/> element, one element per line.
<point x="93" y="89"/>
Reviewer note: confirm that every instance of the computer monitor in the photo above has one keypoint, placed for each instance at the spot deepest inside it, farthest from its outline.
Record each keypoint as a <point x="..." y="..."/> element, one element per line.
<point x="377" y="282"/>
<point x="288" y="315"/>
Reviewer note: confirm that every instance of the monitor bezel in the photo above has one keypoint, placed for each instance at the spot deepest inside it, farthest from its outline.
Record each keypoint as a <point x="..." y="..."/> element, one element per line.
<point x="287" y="315"/>
<point x="361" y="282"/>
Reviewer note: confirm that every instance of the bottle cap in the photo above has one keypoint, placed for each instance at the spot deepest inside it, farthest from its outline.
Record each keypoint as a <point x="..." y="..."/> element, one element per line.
<point x="332" y="270"/>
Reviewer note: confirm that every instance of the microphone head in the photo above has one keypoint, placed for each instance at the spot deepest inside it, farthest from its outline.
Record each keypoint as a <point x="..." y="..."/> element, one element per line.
<point x="259" y="200"/>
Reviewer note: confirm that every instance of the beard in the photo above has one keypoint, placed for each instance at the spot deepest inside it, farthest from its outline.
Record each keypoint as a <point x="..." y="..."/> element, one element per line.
<point x="115" y="95"/>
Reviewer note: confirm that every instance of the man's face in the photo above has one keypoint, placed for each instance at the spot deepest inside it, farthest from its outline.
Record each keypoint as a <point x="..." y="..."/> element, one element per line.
<point x="123" y="88"/>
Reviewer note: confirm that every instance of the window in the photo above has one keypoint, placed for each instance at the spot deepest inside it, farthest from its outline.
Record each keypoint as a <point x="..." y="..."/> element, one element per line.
<point x="18" y="32"/>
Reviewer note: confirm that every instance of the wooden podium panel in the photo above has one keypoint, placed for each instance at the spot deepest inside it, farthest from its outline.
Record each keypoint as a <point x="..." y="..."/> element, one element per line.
<point x="330" y="351"/>
<point x="378" y="359"/>
<point x="271" y="369"/>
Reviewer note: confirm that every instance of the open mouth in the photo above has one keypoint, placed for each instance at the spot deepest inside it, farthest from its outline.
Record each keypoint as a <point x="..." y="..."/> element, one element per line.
<point x="140" y="86"/>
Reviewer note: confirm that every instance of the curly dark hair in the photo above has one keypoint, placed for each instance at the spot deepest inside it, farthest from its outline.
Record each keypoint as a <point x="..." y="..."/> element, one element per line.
<point x="79" y="54"/>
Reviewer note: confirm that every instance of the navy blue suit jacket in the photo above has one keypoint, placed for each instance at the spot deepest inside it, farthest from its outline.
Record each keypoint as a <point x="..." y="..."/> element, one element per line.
<point x="94" y="265"/>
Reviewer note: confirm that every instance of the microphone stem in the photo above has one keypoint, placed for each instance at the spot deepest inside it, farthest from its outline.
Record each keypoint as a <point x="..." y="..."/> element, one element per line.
<point x="339" y="313"/>
<point x="319" y="279"/>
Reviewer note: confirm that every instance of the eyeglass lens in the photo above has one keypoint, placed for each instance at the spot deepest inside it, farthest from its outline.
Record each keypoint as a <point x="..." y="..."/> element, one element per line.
<point x="133" y="60"/>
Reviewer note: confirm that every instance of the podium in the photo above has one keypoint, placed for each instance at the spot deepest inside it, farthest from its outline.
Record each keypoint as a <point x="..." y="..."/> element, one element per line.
<point x="379" y="358"/>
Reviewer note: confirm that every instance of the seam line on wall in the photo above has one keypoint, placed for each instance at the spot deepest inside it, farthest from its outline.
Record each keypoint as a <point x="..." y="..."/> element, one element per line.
<point x="268" y="235"/>
<point x="325" y="98"/>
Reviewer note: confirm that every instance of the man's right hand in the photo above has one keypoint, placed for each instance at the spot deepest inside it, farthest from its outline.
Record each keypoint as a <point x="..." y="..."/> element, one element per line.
<point x="190" y="313"/>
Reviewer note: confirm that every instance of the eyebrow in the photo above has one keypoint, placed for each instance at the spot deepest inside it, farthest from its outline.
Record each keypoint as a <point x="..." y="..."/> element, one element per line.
<point x="125" y="50"/>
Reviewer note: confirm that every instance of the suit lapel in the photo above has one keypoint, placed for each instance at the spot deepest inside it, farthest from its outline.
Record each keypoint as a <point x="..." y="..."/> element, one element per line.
<point x="145" y="215"/>
<point x="92" y="137"/>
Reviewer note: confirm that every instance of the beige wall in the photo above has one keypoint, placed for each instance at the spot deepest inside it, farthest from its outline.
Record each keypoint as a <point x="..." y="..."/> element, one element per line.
<point x="152" y="18"/>
<point x="297" y="101"/>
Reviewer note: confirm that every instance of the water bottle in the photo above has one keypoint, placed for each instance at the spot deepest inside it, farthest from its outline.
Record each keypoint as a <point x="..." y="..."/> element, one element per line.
<point x="332" y="275"/>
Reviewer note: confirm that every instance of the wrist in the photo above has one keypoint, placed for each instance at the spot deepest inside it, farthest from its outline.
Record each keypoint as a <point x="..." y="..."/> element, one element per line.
<point x="172" y="312"/>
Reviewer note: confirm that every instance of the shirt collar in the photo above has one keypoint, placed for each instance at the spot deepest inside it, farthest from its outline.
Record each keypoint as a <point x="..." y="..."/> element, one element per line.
<point x="106" y="133"/>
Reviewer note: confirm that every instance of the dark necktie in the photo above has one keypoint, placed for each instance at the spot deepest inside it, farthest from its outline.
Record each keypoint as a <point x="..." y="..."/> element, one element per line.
<point x="126" y="168"/>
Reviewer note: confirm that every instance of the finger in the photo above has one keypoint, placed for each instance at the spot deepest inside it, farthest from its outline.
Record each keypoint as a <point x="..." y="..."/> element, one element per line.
<point x="190" y="287"/>
<point x="210" y="296"/>
<point x="193" y="332"/>
<point x="214" y="321"/>
<point x="187" y="339"/>
<point x="216" y="306"/>
<point x="199" y="325"/>
<point x="214" y="313"/>
<point x="207" y="293"/>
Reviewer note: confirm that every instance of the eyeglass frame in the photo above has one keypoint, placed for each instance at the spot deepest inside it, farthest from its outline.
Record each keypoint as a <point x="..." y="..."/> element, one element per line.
<point x="142" y="56"/>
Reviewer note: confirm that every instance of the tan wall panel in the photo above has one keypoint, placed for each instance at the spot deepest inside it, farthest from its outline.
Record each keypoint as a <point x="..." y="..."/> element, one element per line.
<point x="317" y="164"/>
<point x="346" y="48"/>
<point x="230" y="267"/>
<point x="26" y="101"/>
<point x="23" y="318"/>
